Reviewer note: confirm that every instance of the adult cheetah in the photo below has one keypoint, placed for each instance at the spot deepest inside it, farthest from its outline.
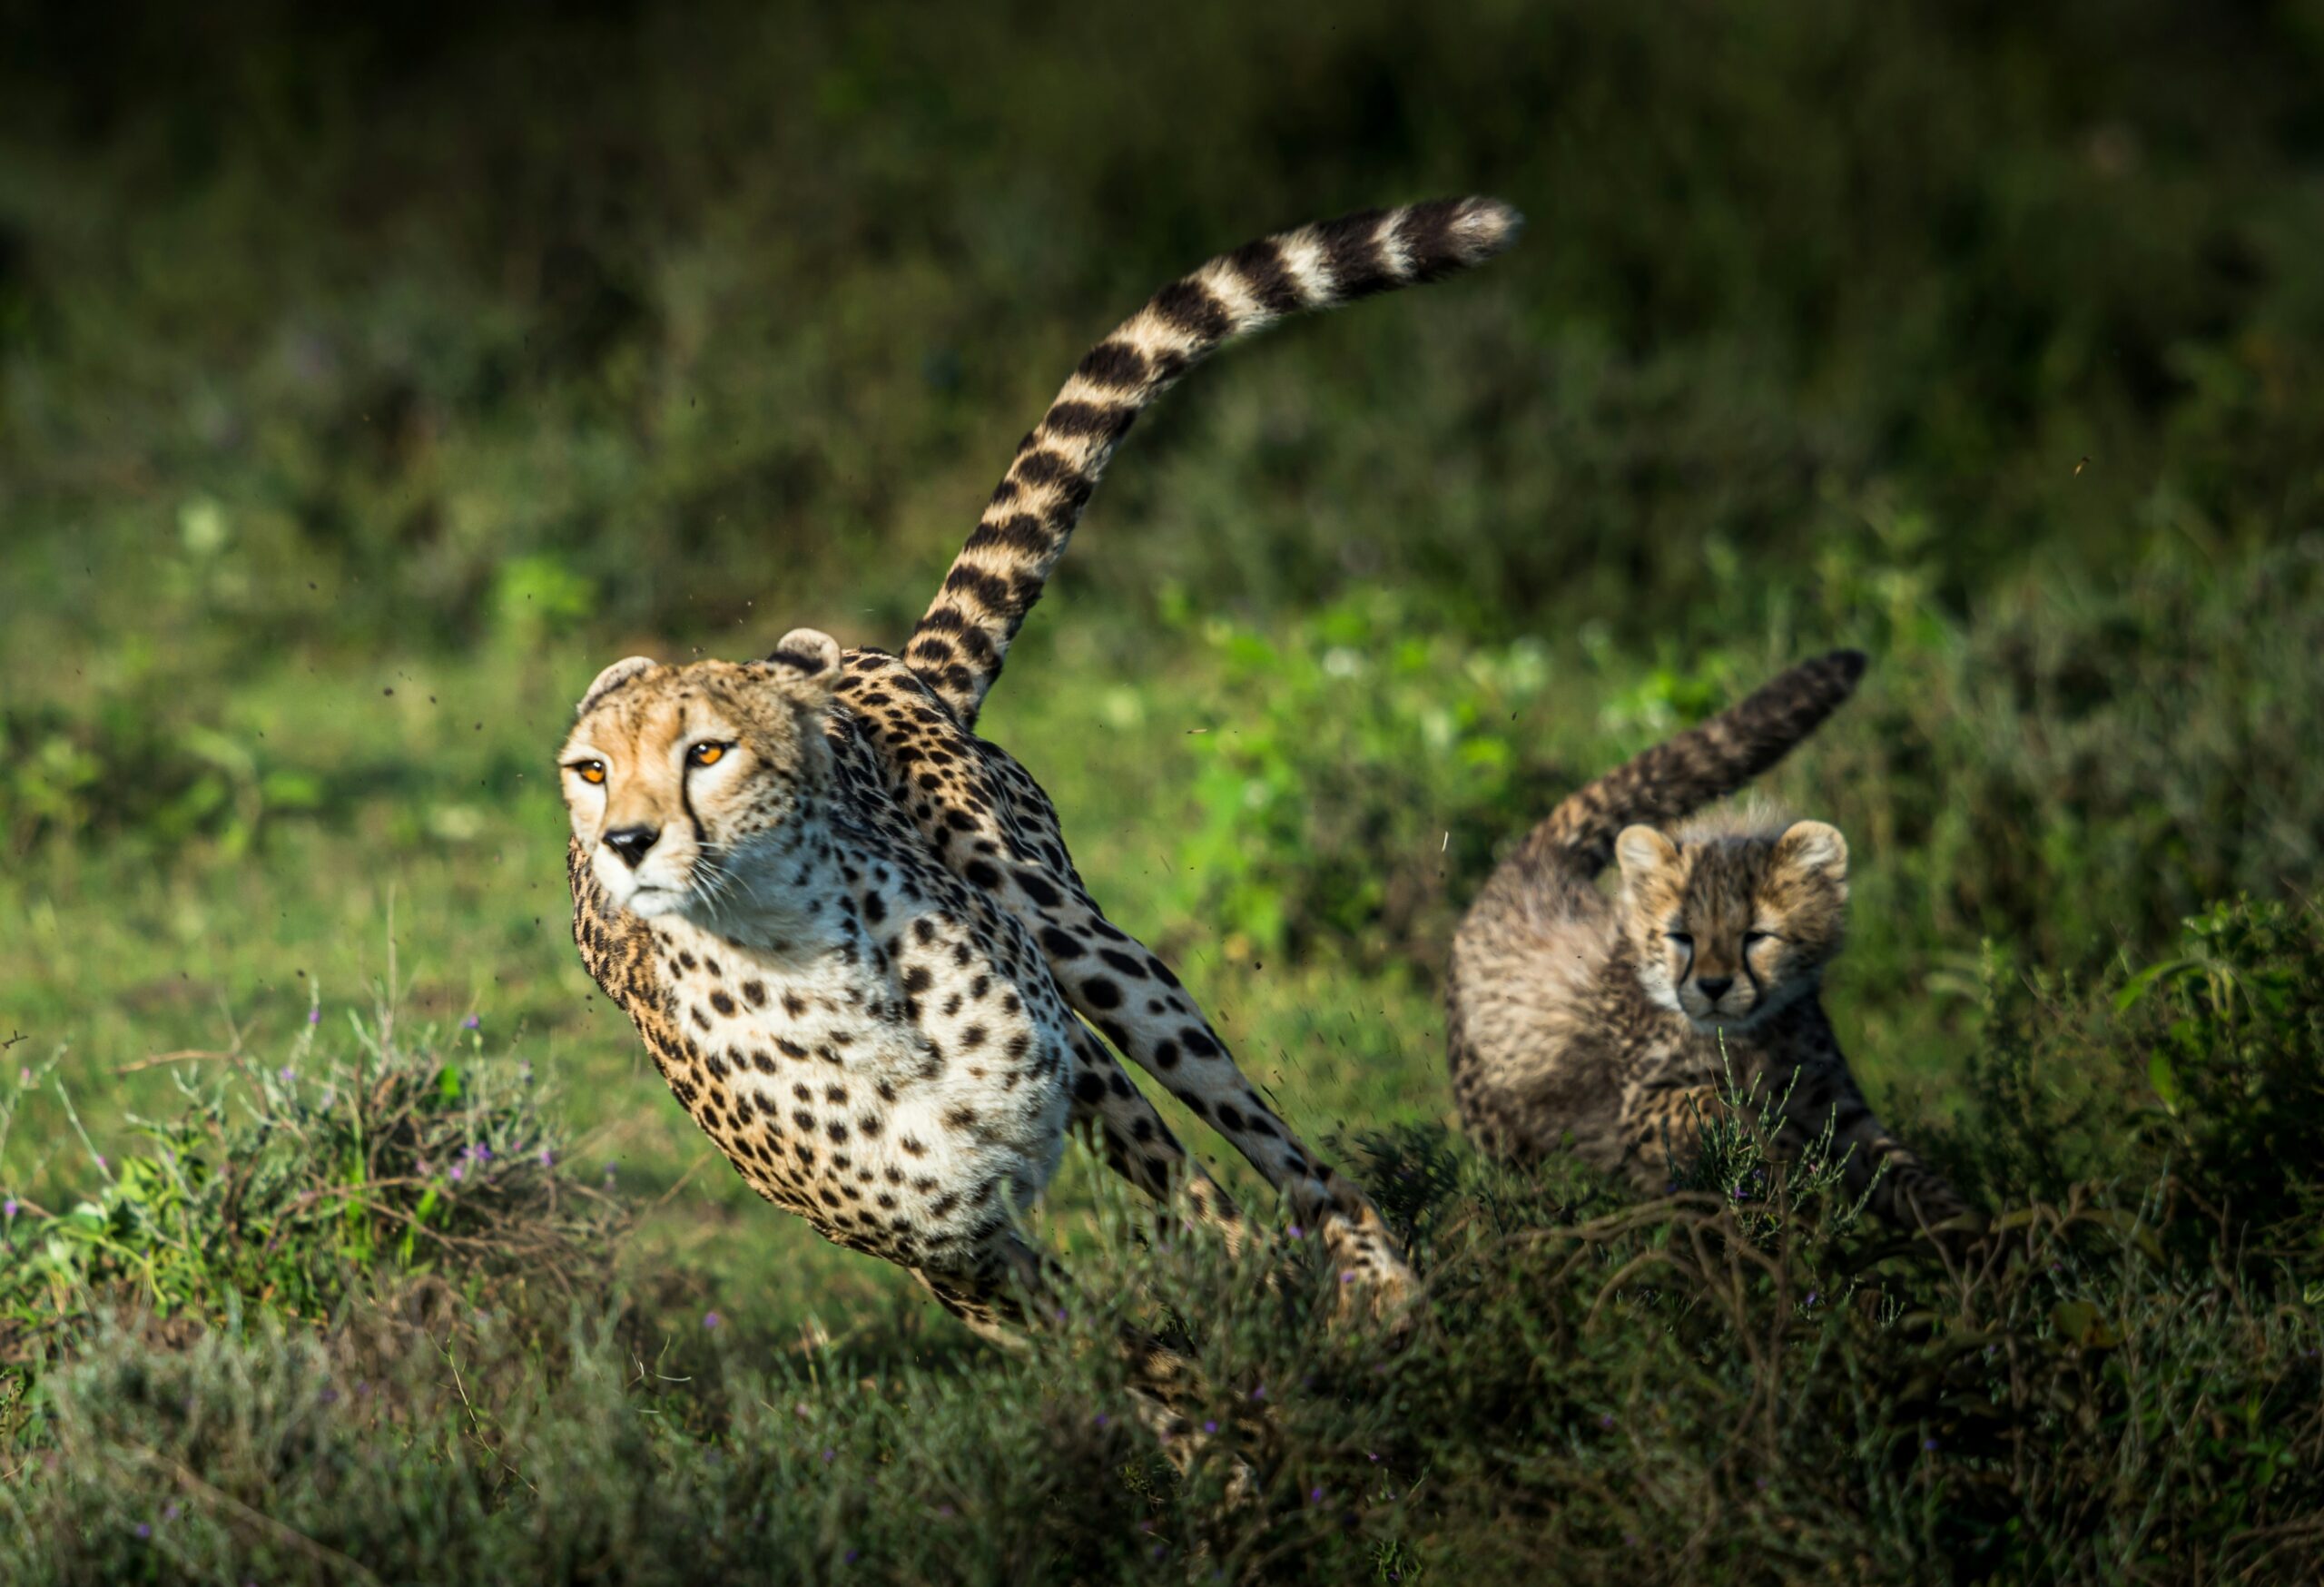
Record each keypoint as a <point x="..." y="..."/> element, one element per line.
<point x="849" y="929"/>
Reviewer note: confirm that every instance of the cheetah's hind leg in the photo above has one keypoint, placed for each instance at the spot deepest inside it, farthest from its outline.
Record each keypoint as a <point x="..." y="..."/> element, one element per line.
<point x="992" y="1299"/>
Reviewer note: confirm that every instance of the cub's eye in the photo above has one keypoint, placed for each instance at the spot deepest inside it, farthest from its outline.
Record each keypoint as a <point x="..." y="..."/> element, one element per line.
<point x="1680" y="939"/>
<point x="590" y="771"/>
<point x="705" y="754"/>
<point x="1751" y="937"/>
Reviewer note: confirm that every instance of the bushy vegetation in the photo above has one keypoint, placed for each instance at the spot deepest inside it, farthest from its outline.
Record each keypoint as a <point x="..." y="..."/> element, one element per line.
<point x="1744" y="1381"/>
<point x="365" y="385"/>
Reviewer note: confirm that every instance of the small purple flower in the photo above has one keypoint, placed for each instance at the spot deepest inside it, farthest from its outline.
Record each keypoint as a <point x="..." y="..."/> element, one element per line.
<point x="314" y="1016"/>
<point x="458" y="1174"/>
<point x="101" y="1159"/>
<point x="850" y="1559"/>
<point x="1928" y="1446"/>
<point x="1101" y="1418"/>
<point x="1348" y="1277"/>
<point x="1296" y="1233"/>
<point x="829" y="1455"/>
<point x="1812" y="1294"/>
<point x="1210" y="1426"/>
<point x="8" y="1207"/>
<point x="143" y="1530"/>
<point x="329" y="1397"/>
<point x="171" y="1514"/>
<point x="472" y="1023"/>
<point x="547" y="1157"/>
<point x="1606" y="1421"/>
<point x="283" y="1074"/>
<point x="1314" y="1495"/>
<point x="711" y="1320"/>
<point x="1259" y="1393"/>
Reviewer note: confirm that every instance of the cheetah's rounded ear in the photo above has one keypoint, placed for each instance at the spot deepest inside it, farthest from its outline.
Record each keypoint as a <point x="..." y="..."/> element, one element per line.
<point x="1643" y="851"/>
<point x="806" y="663"/>
<point x="1813" y="847"/>
<point x="612" y="678"/>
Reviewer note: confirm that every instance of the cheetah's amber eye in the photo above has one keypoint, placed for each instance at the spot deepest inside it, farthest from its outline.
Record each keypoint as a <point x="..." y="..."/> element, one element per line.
<point x="590" y="771"/>
<point x="705" y="754"/>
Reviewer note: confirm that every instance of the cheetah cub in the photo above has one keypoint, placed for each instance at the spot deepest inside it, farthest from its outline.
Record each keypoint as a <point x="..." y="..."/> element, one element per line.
<point x="1599" y="1022"/>
<point x="848" y="928"/>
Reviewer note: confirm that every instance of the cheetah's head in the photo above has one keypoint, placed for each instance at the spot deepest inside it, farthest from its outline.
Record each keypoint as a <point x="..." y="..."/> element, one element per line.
<point x="685" y="784"/>
<point x="1729" y="925"/>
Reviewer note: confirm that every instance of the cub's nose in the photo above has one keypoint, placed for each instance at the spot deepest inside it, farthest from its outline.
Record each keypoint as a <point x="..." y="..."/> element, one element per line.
<point x="631" y="843"/>
<point x="1713" y="987"/>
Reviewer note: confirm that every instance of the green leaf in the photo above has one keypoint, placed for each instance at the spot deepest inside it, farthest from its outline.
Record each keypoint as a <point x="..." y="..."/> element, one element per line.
<point x="2145" y="979"/>
<point x="2165" y="1083"/>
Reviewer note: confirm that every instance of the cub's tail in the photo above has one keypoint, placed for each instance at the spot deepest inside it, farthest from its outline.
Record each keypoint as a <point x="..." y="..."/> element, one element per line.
<point x="1706" y="761"/>
<point x="960" y="645"/>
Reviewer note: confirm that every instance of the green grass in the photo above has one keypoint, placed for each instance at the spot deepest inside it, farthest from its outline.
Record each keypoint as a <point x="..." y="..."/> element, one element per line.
<point x="364" y="388"/>
<point x="1744" y="1381"/>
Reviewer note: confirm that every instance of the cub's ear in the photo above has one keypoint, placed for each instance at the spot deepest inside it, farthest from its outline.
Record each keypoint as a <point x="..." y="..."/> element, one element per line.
<point x="612" y="678"/>
<point x="1643" y="853"/>
<point x="805" y="661"/>
<point x="1813" y="848"/>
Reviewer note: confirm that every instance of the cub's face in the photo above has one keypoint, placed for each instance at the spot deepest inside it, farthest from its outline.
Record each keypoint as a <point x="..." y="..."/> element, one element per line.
<point x="1728" y="929"/>
<point x="683" y="782"/>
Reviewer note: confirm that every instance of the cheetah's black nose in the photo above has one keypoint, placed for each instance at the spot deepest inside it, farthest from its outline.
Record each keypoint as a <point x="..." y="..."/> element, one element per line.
<point x="1713" y="987"/>
<point x="631" y="843"/>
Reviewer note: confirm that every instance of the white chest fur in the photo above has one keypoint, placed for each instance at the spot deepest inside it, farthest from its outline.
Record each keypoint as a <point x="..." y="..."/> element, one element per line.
<point x="905" y="1105"/>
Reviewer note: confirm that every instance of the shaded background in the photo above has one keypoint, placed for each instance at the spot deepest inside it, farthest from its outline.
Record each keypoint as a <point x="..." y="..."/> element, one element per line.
<point x="364" y="385"/>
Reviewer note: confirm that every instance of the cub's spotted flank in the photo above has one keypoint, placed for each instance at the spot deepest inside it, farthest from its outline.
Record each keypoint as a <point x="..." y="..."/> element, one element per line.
<point x="1578" y="1020"/>
<point x="848" y="929"/>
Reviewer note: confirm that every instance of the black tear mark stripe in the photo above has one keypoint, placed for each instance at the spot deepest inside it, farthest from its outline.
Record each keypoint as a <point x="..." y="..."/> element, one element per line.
<point x="685" y="802"/>
<point x="1002" y="569"/>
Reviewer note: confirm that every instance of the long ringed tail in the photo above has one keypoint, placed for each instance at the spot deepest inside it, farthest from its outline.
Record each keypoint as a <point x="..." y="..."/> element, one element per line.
<point x="960" y="645"/>
<point x="1706" y="761"/>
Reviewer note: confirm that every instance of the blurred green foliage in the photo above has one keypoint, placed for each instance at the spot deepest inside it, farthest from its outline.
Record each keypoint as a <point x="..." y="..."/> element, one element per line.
<point x="775" y="290"/>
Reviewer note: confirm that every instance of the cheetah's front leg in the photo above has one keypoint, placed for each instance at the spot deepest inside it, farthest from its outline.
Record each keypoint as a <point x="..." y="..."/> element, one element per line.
<point x="1112" y="980"/>
<point x="1138" y="1145"/>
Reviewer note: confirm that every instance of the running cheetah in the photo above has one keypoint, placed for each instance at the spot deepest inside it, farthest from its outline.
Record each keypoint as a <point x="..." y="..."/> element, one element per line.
<point x="1574" y="1019"/>
<point x="848" y="928"/>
